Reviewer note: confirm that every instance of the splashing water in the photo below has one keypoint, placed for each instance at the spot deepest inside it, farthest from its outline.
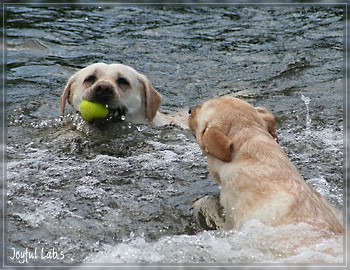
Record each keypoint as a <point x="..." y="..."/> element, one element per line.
<point x="255" y="242"/>
<point x="308" y="119"/>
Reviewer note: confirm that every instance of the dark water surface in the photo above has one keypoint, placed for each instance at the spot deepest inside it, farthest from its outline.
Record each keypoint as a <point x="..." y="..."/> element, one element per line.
<point x="126" y="191"/>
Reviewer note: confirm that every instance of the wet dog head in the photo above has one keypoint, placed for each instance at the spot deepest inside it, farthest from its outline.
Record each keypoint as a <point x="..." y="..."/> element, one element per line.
<point x="216" y="122"/>
<point x="118" y="86"/>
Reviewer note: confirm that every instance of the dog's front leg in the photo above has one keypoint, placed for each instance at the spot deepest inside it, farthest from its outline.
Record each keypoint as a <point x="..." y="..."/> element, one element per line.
<point x="209" y="213"/>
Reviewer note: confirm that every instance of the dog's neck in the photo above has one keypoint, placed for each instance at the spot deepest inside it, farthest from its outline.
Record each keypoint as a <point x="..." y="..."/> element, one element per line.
<point x="138" y="118"/>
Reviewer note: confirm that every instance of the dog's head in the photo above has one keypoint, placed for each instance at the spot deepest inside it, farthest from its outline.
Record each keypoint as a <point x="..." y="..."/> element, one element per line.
<point x="216" y="122"/>
<point x="118" y="86"/>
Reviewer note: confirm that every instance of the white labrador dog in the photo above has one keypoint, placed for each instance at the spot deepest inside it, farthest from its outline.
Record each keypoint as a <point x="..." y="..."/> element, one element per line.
<point x="257" y="179"/>
<point x="125" y="91"/>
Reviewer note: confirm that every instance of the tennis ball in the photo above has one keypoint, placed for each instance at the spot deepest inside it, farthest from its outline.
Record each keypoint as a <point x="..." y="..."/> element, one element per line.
<point x="92" y="110"/>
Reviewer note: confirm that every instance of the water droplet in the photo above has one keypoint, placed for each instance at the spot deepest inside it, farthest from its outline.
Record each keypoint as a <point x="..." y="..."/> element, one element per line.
<point x="308" y="119"/>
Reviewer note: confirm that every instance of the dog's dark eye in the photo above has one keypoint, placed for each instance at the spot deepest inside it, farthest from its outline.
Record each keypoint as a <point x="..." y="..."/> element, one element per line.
<point x="91" y="79"/>
<point x="122" y="81"/>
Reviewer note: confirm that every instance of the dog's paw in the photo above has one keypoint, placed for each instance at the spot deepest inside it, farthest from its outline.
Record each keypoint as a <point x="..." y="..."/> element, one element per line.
<point x="208" y="213"/>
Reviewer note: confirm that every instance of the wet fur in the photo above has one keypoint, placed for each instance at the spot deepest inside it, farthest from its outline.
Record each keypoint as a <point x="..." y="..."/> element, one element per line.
<point x="123" y="89"/>
<point x="257" y="179"/>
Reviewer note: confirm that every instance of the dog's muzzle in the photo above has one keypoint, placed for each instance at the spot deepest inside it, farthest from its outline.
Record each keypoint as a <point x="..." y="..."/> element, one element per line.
<point x="102" y="92"/>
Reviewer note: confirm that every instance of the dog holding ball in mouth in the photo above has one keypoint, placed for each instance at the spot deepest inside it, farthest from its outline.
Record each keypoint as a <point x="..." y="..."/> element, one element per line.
<point x="101" y="91"/>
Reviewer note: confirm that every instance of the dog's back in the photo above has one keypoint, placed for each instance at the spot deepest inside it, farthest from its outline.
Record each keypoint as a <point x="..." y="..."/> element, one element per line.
<point x="258" y="180"/>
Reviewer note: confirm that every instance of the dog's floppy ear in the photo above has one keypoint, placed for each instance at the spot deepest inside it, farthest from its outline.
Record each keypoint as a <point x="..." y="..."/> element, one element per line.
<point x="153" y="99"/>
<point x="216" y="143"/>
<point x="66" y="93"/>
<point x="269" y="121"/>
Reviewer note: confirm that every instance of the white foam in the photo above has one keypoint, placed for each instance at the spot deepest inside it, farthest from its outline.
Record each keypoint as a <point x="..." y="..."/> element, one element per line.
<point x="254" y="243"/>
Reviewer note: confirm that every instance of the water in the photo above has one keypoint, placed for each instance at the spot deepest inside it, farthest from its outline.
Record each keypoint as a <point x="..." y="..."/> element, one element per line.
<point x="308" y="119"/>
<point x="254" y="243"/>
<point x="123" y="194"/>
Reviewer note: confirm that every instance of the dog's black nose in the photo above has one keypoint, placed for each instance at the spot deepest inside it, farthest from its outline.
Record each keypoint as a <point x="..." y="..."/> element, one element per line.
<point x="103" y="89"/>
<point x="102" y="92"/>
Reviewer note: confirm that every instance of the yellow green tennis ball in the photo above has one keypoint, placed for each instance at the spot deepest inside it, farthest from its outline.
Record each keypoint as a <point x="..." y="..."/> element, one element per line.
<point x="92" y="110"/>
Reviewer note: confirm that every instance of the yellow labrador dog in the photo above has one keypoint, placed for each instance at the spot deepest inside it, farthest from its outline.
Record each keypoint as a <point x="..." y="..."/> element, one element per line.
<point x="257" y="179"/>
<point x="125" y="91"/>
